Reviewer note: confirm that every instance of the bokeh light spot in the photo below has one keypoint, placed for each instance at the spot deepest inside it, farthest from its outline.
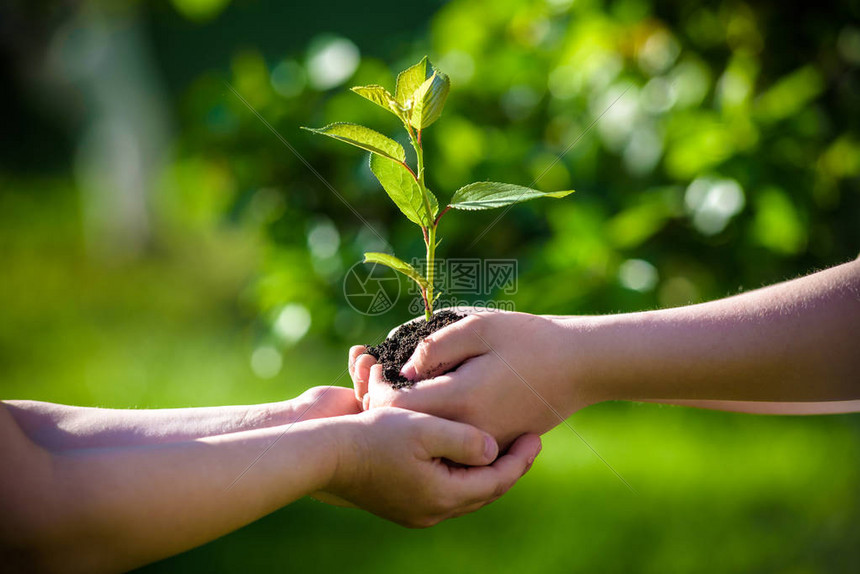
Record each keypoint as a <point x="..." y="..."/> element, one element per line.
<point x="288" y="78"/>
<point x="292" y="323"/>
<point x="266" y="362"/>
<point x="638" y="275"/>
<point x="332" y="60"/>
<point x="713" y="202"/>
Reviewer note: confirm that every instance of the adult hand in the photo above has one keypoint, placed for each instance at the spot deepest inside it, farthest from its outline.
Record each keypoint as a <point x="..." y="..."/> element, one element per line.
<point x="393" y="463"/>
<point x="506" y="373"/>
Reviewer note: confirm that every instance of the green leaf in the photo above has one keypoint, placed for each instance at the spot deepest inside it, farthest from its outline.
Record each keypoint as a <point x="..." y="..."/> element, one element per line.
<point x="380" y="96"/>
<point x="421" y="92"/>
<point x="402" y="188"/>
<point x="364" y="138"/>
<point x="489" y="195"/>
<point x="434" y="204"/>
<point x="429" y="99"/>
<point x="398" y="265"/>
<point x="409" y="80"/>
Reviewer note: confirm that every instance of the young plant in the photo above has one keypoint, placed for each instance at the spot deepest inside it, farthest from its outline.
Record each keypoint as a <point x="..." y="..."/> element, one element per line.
<point x="419" y="96"/>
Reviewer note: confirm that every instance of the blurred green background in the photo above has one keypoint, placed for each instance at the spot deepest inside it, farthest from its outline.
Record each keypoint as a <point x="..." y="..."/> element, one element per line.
<point x="160" y="247"/>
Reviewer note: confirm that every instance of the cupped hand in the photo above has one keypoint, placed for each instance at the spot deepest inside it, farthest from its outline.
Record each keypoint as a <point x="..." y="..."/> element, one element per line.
<point x="360" y="361"/>
<point x="324" y="402"/>
<point x="394" y="463"/>
<point x="506" y="373"/>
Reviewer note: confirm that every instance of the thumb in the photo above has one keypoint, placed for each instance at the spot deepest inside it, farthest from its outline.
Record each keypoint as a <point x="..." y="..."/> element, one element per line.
<point x="443" y="350"/>
<point x="458" y="442"/>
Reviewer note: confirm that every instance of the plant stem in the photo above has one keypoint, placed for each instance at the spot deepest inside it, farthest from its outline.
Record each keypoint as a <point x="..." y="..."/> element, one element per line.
<point x="430" y="233"/>
<point x="419" y="152"/>
<point x="431" y="261"/>
<point x="441" y="213"/>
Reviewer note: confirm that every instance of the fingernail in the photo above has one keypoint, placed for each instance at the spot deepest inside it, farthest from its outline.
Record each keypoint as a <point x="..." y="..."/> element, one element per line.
<point x="489" y="447"/>
<point x="365" y="402"/>
<point x="408" y="370"/>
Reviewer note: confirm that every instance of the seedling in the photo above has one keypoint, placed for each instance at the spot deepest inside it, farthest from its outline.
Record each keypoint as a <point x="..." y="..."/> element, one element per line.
<point x="418" y="99"/>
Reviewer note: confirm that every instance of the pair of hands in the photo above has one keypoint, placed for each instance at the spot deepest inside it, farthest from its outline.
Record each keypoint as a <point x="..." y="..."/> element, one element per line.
<point x="503" y="372"/>
<point x="396" y="463"/>
<point x="471" y="375"/>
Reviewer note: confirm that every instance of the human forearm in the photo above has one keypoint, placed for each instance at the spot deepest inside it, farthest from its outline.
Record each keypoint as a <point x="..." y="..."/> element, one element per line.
<point x="789" y="342"/>
<point x="103" y="510"/>
<point x="61" y="427"/>
<point x="114" y="509"/>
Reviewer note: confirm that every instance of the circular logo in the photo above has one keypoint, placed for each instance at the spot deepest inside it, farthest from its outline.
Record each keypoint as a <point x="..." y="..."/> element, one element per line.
<point x="371" y="288"/>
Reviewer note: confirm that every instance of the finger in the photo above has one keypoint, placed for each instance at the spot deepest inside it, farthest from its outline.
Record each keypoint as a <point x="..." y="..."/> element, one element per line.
<point x="438" y="397"/>
<point x="443" y="350"/>
<point x="487" y="483"/>
<point x="450" y="395"/>
<point x="520" y="456"/>
<point x="469" y="509"/>
<point x="379" y="391"/>
<point x="354" y="353"/>
<point x="362" y="374"/>
<point x="441" y="396"/>
<point x="461" y="309"/>
<point x="458" y="442"/>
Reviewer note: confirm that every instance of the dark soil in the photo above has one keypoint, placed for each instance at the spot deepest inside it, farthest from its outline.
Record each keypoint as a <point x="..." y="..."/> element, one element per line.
<point x="393" y="352"/>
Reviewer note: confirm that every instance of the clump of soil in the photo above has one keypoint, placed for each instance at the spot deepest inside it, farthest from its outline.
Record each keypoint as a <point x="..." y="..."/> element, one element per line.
<point x="393" y="352"/>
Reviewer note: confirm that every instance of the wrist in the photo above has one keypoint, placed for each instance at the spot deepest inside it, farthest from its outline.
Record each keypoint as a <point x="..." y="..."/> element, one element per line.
<point x="341" y="440"/>
<point x="619" y="356"/>
<point x="588" y="360"/>
<point x="572" y="384"/>
<point x="275" y="414"/>
<point x="291" y="411"/>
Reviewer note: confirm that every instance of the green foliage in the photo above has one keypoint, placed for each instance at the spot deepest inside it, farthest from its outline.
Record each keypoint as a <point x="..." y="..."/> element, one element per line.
<point x="420" y="95"/>
<point x="364" y="138"/>
<point x="428" y="100"/>
<point x="379" y="96"/>
<point x="398" y="265"/>
<point x="410" y="80"/>
<point x="403" y="189"/>
<point x="490" y="195"/>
